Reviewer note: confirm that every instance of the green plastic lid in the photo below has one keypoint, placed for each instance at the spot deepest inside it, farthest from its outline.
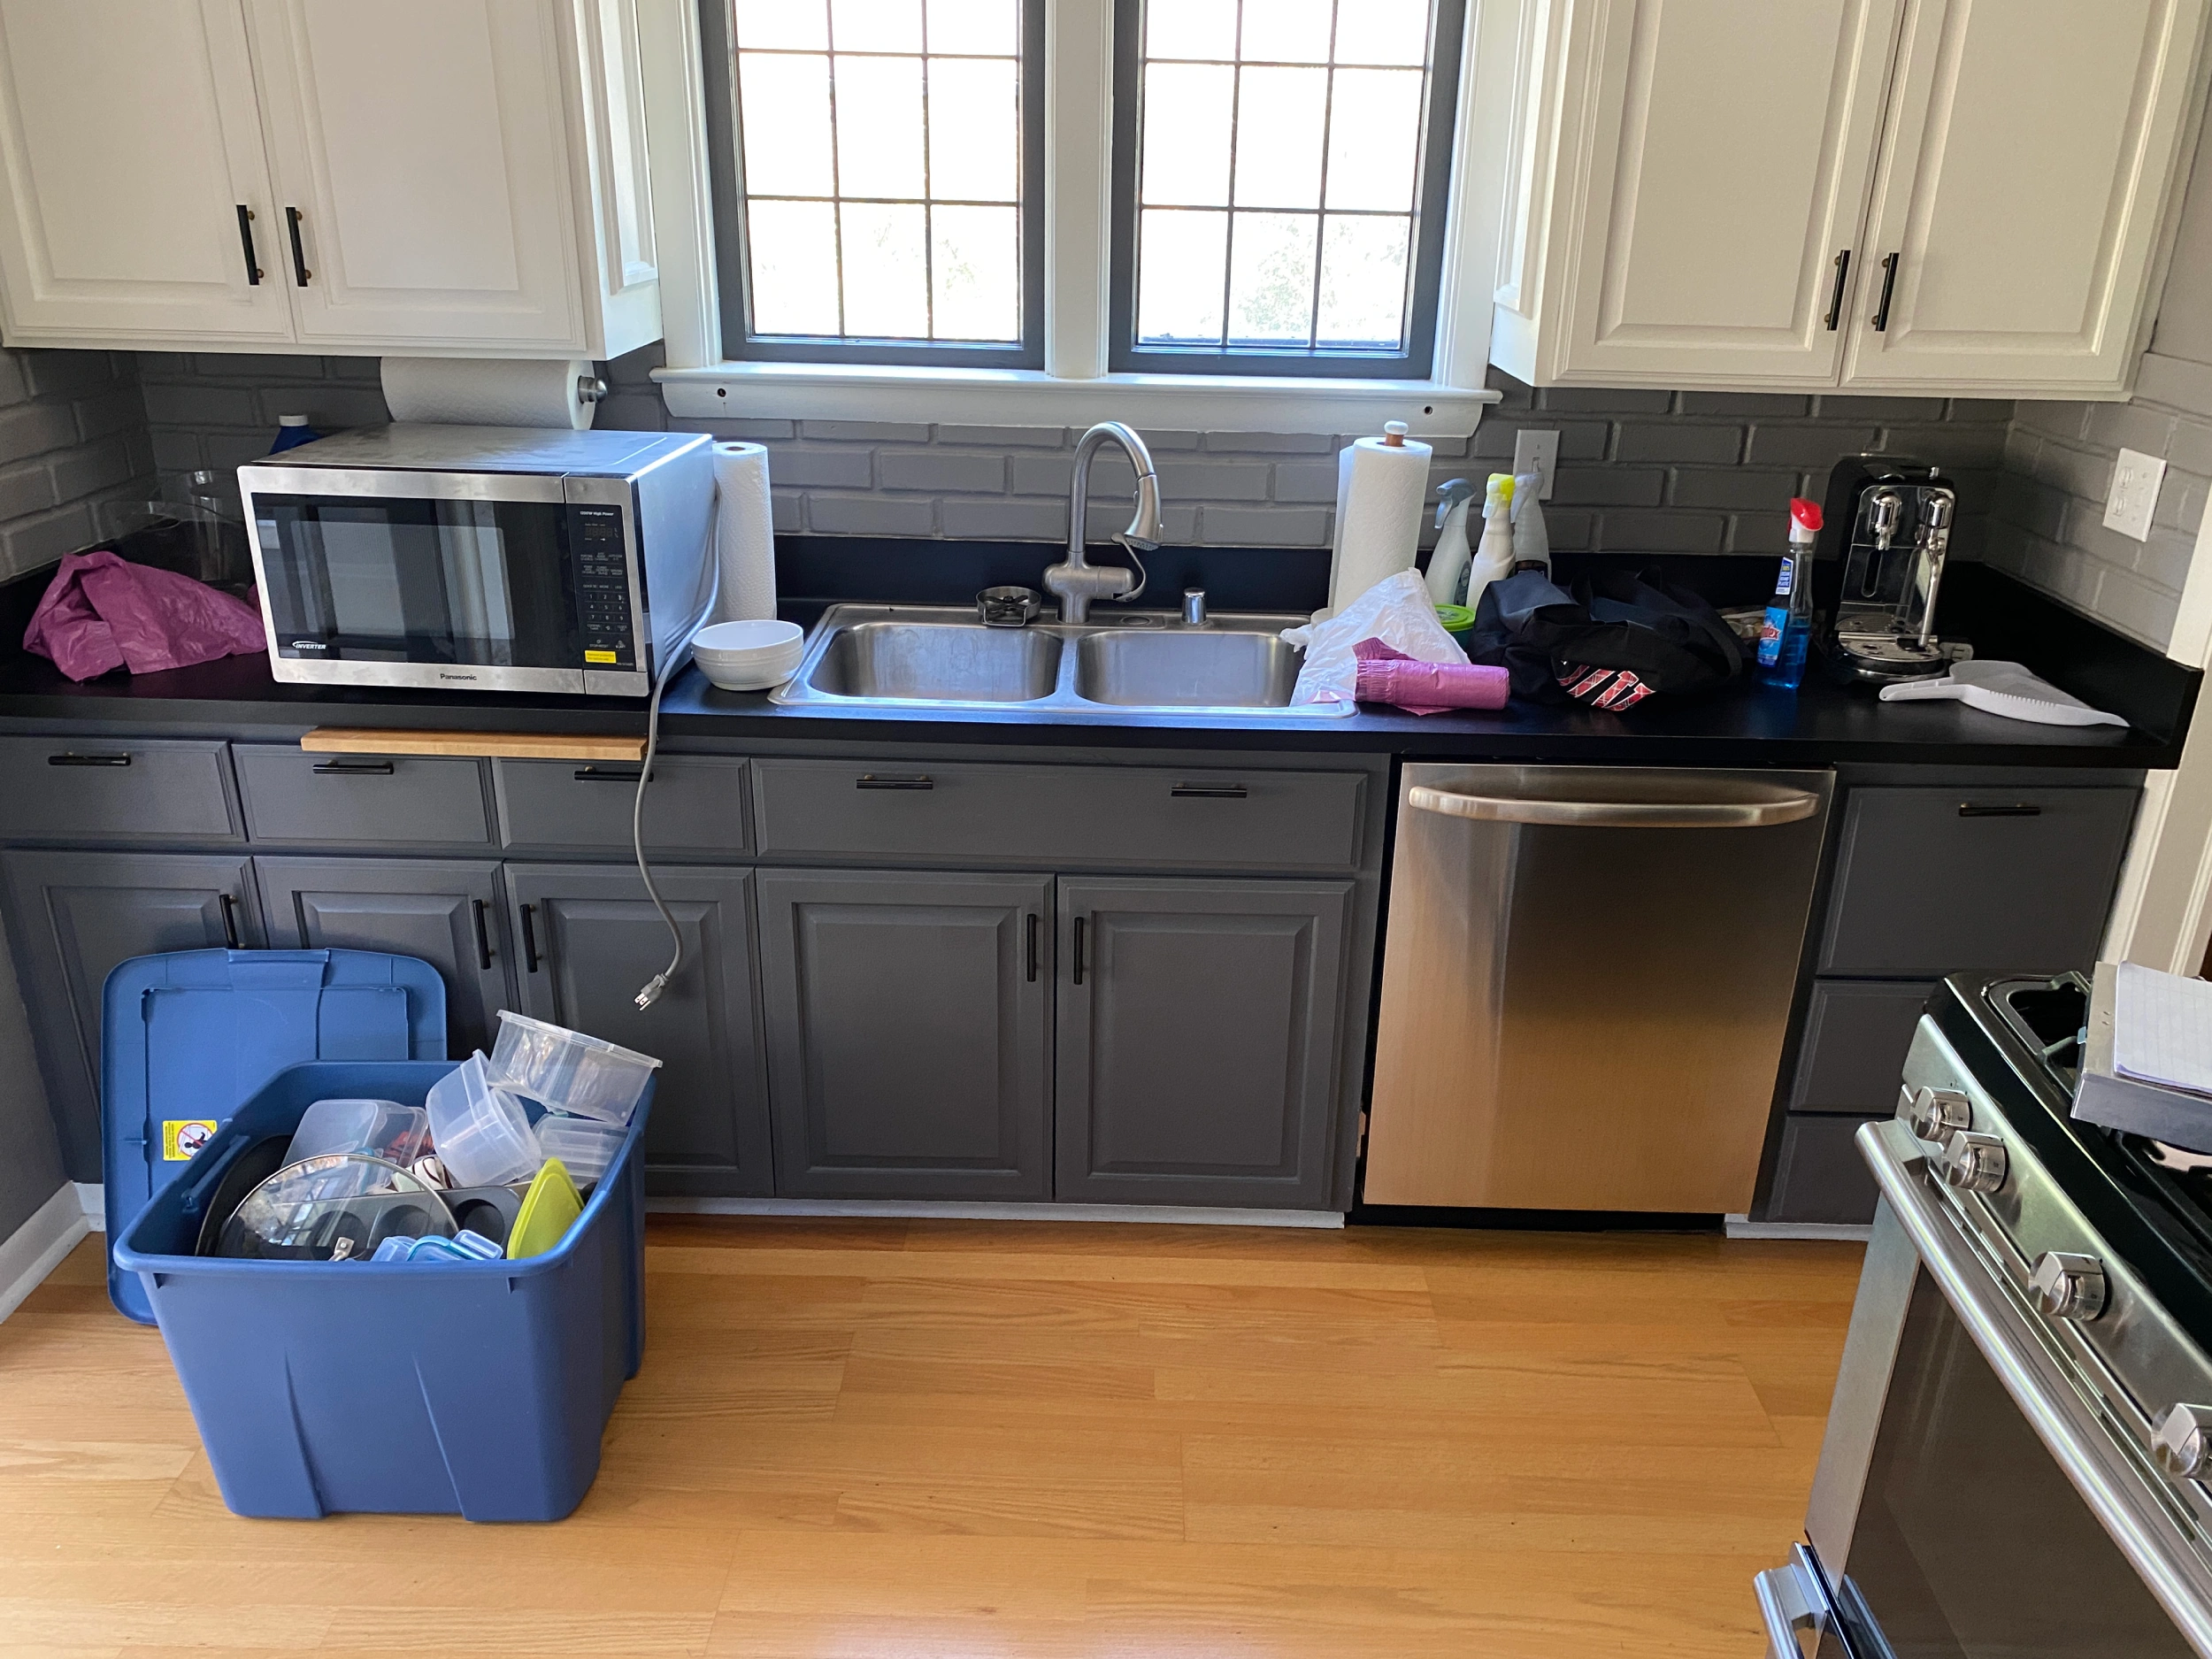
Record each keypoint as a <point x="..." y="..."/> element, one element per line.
<point x="1455" y="619"/>
<point x="549" y="1209"/>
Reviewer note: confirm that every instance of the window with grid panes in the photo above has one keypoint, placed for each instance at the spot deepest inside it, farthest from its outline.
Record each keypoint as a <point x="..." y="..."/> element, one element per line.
<point x="877" y="175"/>
<point x="1280" y="175"/>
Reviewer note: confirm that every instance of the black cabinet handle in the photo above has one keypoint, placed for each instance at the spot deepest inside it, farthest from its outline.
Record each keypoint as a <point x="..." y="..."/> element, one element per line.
<point x="230" y="920"/>
<point x="1835" y="298"/>
<point x="893" y="780"/>
<point x="1078" y="950"/>
<point x="300" y="272"/>
<point x="1033" y="947"/>
<point x="1999" y="809"/>
<point x="245" y="241"/>
<point x="592" y="775"/>
<point x="483" y="935"/>
<point x="1889" y="283"/>
<point x="1208" y="792"/>
<point x="530" y="938"/>
<point x="353" y="768"/>
<point x="87" y="760"/>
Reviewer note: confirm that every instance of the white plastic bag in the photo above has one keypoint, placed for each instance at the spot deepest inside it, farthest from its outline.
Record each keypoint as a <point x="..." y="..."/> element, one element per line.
<point x="1397" y="610"/>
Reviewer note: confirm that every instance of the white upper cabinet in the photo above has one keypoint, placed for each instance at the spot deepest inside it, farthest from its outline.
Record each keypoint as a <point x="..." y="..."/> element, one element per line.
<point x="130" y="152"/>
<point x="2021" y="193"/>
<point x="1714" y="194"/>
<point x="461" y="176"/>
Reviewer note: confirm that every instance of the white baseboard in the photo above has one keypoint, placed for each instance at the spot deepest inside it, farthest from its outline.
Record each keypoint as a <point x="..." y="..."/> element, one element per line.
<point x="1745" y="1227"/>
<point x="94" y="1197"/>
<point x="918" y="1210"/>
<point x="37" y="1247"/>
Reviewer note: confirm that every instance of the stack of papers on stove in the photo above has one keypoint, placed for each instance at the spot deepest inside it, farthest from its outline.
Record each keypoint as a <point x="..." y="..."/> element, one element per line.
<point x="2146" y="1057"/>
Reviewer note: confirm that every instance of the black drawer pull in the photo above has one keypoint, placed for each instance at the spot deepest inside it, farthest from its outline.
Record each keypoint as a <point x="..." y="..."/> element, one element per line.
<point x="300" y="272"/>
<point x="1835" y="298"/>
<point x="1079" y="949"/>
<point x="592" y="775"/>
<point x="1208" y="792"/>
<point x="1889" y="286"/>
<point x="483" y="935"/>
<point x="1999" y="809"/>
<point x="87" y="760"/>
<point x="353" y="768"/>
<point x="230" y="920"/>
<point x="530" y="937"/>
<point x="1033" y="947"/>
<point x="893" y="780"/>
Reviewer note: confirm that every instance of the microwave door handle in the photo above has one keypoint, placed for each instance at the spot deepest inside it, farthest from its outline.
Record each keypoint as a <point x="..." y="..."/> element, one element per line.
<point x="1769" y="806"/>
<point x="2107" y="1476"/>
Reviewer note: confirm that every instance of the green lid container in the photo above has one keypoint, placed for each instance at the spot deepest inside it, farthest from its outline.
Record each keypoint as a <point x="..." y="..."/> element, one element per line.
<point x="1455" y="619"/>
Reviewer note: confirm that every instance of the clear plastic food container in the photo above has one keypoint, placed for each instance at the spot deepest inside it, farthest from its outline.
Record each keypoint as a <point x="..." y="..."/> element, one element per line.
<point x="564" y="1070"/>
<point x="481" y="1132"/>
<point x="336" y="1208"/>
<point x="381" y="1128"/>
<point x="586" y="1145"/>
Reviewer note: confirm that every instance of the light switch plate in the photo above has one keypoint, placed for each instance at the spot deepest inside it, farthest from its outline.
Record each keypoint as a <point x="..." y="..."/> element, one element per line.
<point x="2134" y="497"/>
<point x="1536" y="449"/>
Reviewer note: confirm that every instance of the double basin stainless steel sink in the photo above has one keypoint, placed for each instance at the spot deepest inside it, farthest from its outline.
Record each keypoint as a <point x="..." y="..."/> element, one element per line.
<point x="1134" y="662"/>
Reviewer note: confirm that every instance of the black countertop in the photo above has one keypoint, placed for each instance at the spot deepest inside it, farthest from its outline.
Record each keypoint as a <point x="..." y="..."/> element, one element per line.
<point x="1821" y="723"/>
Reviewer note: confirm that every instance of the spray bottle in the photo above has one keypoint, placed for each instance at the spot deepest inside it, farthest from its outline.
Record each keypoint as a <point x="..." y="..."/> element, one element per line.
<point x="1493" y="559"/>
<point x="1532" y="541"/>
<point x="1788" y="626"/>
<point x="1447" y="565"/>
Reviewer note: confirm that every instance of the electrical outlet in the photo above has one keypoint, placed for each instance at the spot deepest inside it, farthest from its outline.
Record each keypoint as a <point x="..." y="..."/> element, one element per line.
<point x="2135" y="482"/>
<point x="1536" y="449"/>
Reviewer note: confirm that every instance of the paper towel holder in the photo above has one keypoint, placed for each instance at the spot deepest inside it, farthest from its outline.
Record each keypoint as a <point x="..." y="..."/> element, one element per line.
<point x="589" y="388"/>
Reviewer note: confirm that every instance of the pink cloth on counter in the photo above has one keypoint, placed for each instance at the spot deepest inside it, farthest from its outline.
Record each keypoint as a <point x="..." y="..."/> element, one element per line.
<point x="102" y="612"/>
<point x="1388" y="675"/>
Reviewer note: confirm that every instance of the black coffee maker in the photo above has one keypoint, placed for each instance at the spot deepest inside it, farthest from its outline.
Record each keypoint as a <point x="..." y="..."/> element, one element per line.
<point x="1886" y="532"/>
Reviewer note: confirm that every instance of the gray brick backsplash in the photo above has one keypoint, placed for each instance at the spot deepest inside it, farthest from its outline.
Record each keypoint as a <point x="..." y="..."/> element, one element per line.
<point x="865" y="430"/>
<point x="935" y="471"/>
<point x="1819" y="447"/>
<point x="1578" y="440"/>
<point x="1767" y="405"/>
<point x="967" y="517"/>
<point x="870" y="515"/>
<point x="1268" y="443"/>
<point x="1847" y="406"/>
<point x="1306" y="481"/>
<point x="1679" y="441"/>
<point x="1265" y="526"/>
<point x="1608" y="486"/>
<point x="1732" y="486"/>
<point x="73" y="433"/>
<point x="1003" y="437"/>
<point x="851" y="468"/>
<point x="1630" y="532"/>
<point x="26" y="489"/>
<point x="1599" y="401"/>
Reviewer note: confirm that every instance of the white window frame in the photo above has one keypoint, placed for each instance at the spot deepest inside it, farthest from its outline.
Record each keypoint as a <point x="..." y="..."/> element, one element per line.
<point x="1073" y="387"/>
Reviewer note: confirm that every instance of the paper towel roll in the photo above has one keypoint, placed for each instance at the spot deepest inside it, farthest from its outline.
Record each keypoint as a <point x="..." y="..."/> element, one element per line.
<point x="494" y="392"/>
<point x="744" y="534"/>
<point x="1382" y="488"/>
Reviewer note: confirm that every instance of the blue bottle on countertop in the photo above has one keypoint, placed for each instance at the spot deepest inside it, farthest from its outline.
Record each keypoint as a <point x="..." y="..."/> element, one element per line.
<point x="1788" y="628"/>
<point x="292" y="431"/>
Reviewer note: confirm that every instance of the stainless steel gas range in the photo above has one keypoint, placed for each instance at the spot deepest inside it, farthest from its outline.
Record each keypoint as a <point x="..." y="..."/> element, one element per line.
<point x="2017" y="1457"/>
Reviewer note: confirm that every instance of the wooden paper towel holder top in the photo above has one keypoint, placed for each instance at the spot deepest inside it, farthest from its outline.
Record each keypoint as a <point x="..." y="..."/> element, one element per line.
<point x="340" y="740"/>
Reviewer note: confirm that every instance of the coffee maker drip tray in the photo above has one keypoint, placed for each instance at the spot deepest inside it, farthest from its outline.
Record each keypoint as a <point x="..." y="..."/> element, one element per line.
<point x="1884" y="657"/>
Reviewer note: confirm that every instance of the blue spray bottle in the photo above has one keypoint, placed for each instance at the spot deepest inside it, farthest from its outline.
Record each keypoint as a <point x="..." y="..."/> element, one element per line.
<point x="1788" y="628"/>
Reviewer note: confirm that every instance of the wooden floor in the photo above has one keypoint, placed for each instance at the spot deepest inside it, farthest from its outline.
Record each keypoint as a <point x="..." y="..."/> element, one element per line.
<point x="904" y="1439"/>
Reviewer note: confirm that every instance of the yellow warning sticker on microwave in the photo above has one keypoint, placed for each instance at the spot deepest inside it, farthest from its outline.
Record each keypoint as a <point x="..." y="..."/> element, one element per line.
<point x="599" y="656"/>
<point x="181" y="1137"/>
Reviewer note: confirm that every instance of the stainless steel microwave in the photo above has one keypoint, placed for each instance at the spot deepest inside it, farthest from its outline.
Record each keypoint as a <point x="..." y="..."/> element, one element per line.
<point x="480" y="558"/>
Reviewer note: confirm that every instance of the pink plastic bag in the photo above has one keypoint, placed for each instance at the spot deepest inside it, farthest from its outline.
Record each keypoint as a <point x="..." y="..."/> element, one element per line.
<point x="102" y="612"/>
<point x="1388" y="675"/>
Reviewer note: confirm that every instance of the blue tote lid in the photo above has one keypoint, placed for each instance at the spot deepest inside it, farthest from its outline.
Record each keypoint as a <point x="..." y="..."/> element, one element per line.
<point x="187" y="1037"/>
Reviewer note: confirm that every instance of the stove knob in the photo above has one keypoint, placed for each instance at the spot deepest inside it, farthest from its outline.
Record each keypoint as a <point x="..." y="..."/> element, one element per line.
<point x="2182" y="1442"/>
<point x="1935" y="1112"/>
<point x="1973" y="1162"/>
<point x="2069" y="1286"/>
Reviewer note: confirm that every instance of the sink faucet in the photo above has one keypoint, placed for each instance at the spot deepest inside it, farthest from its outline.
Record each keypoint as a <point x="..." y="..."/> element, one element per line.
<point x="1075" y="579"/>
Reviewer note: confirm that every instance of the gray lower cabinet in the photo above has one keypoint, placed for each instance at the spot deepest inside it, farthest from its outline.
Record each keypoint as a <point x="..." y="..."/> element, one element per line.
<point x="73" y="917"/>
<point x="445" y="911"/>
<point x="1819" y="1174"/>
<point x="909" y="1022"/>
<point x="1197" y="1043"/>
<point x="588" y="938"/>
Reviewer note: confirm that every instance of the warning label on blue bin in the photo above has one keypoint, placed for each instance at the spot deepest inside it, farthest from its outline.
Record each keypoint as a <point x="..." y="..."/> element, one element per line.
<point x="181" y="1137"/>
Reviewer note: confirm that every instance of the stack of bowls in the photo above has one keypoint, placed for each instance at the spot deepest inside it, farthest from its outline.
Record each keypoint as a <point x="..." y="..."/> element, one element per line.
<point x="748" y="656"/>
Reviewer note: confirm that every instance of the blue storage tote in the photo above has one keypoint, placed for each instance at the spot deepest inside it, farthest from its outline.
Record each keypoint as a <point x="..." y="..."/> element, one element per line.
<point x="187" y="1036"/>
<point x="479" y="1389"/>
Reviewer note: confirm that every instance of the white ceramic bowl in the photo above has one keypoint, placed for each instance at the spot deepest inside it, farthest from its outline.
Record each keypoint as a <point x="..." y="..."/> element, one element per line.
<point x="756" y="678"/>
<point x="728" y="640"/>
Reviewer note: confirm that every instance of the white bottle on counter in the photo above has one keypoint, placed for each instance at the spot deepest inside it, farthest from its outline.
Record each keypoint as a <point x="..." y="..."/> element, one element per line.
<point x="1448" y="564"/>
<point x="1532" y="541"/>
<point x="1494" y="558"/>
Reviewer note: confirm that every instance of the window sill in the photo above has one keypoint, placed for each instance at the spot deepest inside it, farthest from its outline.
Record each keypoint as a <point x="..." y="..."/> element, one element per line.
<point x="1028" y="397"/>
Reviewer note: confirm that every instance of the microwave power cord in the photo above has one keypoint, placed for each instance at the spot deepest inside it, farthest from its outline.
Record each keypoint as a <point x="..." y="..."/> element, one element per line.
<point x="649" y="993"/>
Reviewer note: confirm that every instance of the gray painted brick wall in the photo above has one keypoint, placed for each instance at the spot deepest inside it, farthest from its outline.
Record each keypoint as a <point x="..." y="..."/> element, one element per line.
<point x="73" y="433"/>
<point x="1640" y="471"/>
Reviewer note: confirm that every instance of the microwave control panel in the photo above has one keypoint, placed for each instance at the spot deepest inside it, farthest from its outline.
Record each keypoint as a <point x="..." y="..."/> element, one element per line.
<point x="602" y="588"/>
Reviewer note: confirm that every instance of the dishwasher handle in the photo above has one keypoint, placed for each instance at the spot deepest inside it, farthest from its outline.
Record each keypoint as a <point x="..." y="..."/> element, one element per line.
<point x="1754" y="809"/>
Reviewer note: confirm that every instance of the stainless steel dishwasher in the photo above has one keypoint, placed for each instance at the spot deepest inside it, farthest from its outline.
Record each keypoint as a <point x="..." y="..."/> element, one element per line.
<point x="1586" y="982"/>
